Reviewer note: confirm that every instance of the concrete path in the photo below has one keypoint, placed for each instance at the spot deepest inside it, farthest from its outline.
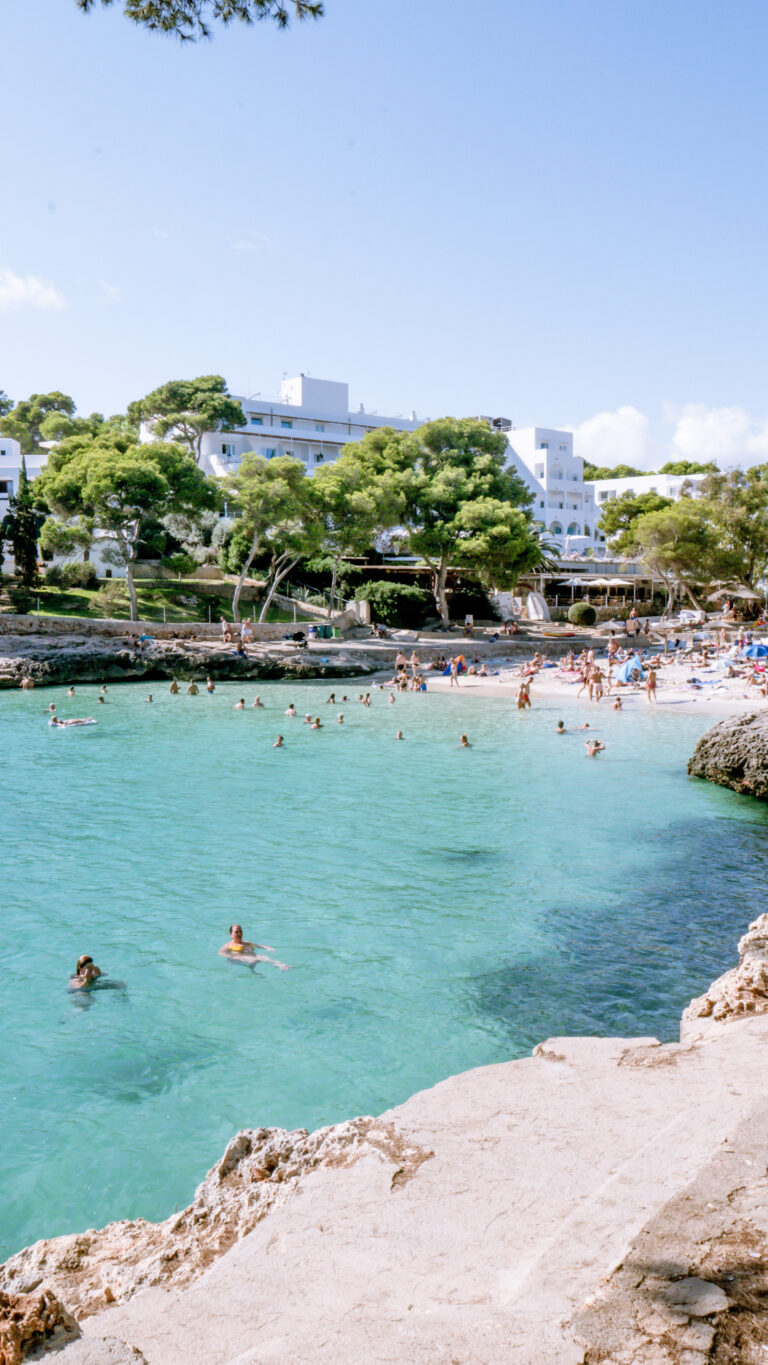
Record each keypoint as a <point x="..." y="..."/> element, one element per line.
<point x="535" y="1180"/>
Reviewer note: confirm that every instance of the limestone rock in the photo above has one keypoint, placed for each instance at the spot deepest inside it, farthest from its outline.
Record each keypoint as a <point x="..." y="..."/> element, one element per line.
<point x="27" y="1320"/>
<point x="743" y="990"/>
<point x="259" y="1168"/>
<point x="734" y="753"/>
<point x="697" y="1298"/>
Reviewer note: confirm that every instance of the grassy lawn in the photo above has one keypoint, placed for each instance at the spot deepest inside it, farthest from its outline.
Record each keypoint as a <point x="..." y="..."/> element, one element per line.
<point x="180" y="601"/>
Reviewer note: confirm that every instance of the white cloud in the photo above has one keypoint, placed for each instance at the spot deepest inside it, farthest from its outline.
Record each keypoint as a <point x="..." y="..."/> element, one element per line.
<point x="28" y="291"/>
<point x="110" y="293"/>
<point x="620" y="437"/>
<point x="254" y="241"/>
<point x="728" y="435"/>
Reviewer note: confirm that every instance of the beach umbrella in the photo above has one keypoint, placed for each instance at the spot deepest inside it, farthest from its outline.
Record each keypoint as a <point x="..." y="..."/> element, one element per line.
<point x="755" y="652"/>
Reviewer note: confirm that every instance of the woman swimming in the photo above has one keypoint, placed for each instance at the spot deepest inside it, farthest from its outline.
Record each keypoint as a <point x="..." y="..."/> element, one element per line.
<point x="242" y="950"/>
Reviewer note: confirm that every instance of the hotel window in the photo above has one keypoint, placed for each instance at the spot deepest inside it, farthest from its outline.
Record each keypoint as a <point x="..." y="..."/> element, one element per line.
<point x="257" y="421"/>
<point x="544" y="445"/>
<point x="6" y="490"/>
<point x="286" y="422"/>
<point x="319" y="426"/>
<point x="228" y="451"/>
<point x="539" y="471"/>
<point x="270" y="452"/>
<point x="541" y="504"/>
<point x="563" y="448"/>
<point x="319" y="459"/>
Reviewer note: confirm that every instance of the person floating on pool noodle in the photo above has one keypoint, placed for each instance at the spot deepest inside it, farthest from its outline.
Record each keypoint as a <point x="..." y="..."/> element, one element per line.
<point x="65" y="724"/>
<point x="242" y="950"/>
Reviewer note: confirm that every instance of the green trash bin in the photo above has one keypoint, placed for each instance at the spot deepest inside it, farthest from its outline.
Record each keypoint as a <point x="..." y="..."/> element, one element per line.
<point x="336" y="633"/>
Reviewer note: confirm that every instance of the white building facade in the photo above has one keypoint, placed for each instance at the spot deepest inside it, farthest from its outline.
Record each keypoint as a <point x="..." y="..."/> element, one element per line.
<point x="10" y="469"/>
<point x="563" y="503"/>
<point x="310" y="420"/>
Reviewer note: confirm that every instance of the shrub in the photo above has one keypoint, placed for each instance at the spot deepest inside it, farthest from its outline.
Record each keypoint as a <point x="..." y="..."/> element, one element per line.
<point x="180" y="563"/>
<point x="111" y="599"/>
<point x="396" y="604"/>
<point x="21" y="601"/>
<point x="80" y="574"/>
<point x="54" y="577"/>
<point x="582" y="614"/>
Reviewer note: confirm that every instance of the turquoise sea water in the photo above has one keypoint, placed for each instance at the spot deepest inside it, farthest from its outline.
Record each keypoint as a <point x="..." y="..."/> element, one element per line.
<point x="440" y="909"/>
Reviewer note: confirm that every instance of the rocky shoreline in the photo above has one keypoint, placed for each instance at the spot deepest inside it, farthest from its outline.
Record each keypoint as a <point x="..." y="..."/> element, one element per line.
<point x="734" y="753"/>
<point x="601" y="1201"/>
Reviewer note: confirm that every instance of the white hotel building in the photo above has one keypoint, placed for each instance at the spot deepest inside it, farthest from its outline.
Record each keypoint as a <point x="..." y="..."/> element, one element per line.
<point x="310" y="420"/>
<point x="563" y="503"/>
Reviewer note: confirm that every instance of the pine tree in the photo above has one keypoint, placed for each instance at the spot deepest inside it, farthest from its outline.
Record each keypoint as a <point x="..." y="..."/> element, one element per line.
<point x="23" y="532"/>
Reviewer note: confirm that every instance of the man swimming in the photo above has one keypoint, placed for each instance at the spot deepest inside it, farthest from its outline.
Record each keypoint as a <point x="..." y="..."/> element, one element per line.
<point x="593" y="747"/>
<point x="464" y="742"/>
<point x="85" y="973"/>
<point x="239" y="705"/>
<point x="560" y="729"/>
<point x="291" y="710"/>
<point x="258" y="702"/>
<point x="278" y="744"/>
<point x="65" y="724"/>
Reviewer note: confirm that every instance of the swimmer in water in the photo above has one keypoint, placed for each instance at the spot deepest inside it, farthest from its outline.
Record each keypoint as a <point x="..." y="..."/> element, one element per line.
<point x="210" y="685"/>
<point x="174" y="687"/>
<point x="331" y="701"/>
<point x="85" y="973"/>
<point x="193" y="690"/>
<point x="258" y="702"/>
<point x="148" y="697"/>
<point x="52" y="707"/>
<point x="617" y="704"/>
<point x="593" y="747"/>
<point x="278" y="744"/>
<point x="391" y="698"/>
<point x="242" y="950"/>
<point x="101" y="700"/>
<point x="65" y="724"/>
<point x="464" y="742"/>
<point x="291" y="711"/>
<point x="340" y="718"/>
<point x="317" y="724"/>
<point x="239" y="705"/>
<point x="308" y="718"/>
<point x="561" y="730"/>
<point x="103" y="688"/>
<point x="399" y="735"/>
<point x="71" y="692"/>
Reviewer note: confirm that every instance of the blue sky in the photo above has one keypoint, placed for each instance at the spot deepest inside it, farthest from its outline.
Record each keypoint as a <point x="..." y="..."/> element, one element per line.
<point x="552" y="211"/>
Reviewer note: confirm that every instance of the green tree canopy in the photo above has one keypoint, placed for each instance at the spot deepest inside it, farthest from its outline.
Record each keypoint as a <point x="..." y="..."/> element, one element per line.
<point x="277" y="514"/>
<point x="619" y="515"/>
<point x="189" y="19"/>
<point x="446" y="486"/>
<point x="688" y="467"/>
<point x="24" y="422"/>
<point x="738" y="508"/>
<point x="350" y="510"/>
<point x="22" y="530"/>
<point x="187" y="408"/>
<point x="6" y="403"/>
<point x="116" y="486"/>
<point x="681" y="544"/>
<point x="619" y="471"/>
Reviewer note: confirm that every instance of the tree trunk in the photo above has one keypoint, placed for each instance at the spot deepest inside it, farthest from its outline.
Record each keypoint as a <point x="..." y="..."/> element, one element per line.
<point x="242" y="578"/>
<point x="439" y="577"/>
<point x="279" y="569"/>
<point x="129" y="583"/>
<point x="333" y="587"/>
<point x="690" y="592"/>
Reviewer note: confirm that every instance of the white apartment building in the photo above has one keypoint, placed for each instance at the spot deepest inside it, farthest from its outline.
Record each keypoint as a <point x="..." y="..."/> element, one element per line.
<point x="310" y="420"/>
<point x="10" y="469"/>
<point x="667" y="485"/>
<point x="563" y="503"/>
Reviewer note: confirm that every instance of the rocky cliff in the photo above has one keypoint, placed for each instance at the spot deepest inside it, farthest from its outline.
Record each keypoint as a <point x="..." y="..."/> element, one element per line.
<point x="734" y="753"/>
<point x="604" y="1200"/>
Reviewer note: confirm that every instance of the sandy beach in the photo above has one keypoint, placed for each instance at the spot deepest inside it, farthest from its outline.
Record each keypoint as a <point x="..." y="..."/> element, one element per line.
<point x="715" y="695"/>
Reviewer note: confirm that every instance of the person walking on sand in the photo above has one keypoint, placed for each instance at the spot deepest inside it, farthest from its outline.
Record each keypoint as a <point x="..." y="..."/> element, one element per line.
<point x="650" y="685"/>
<point x="454" y="672"/>
<point x="523" y="697"/>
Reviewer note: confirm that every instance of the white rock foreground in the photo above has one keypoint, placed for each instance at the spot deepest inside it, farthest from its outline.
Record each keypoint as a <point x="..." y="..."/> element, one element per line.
<point x="605" y="1200"/>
